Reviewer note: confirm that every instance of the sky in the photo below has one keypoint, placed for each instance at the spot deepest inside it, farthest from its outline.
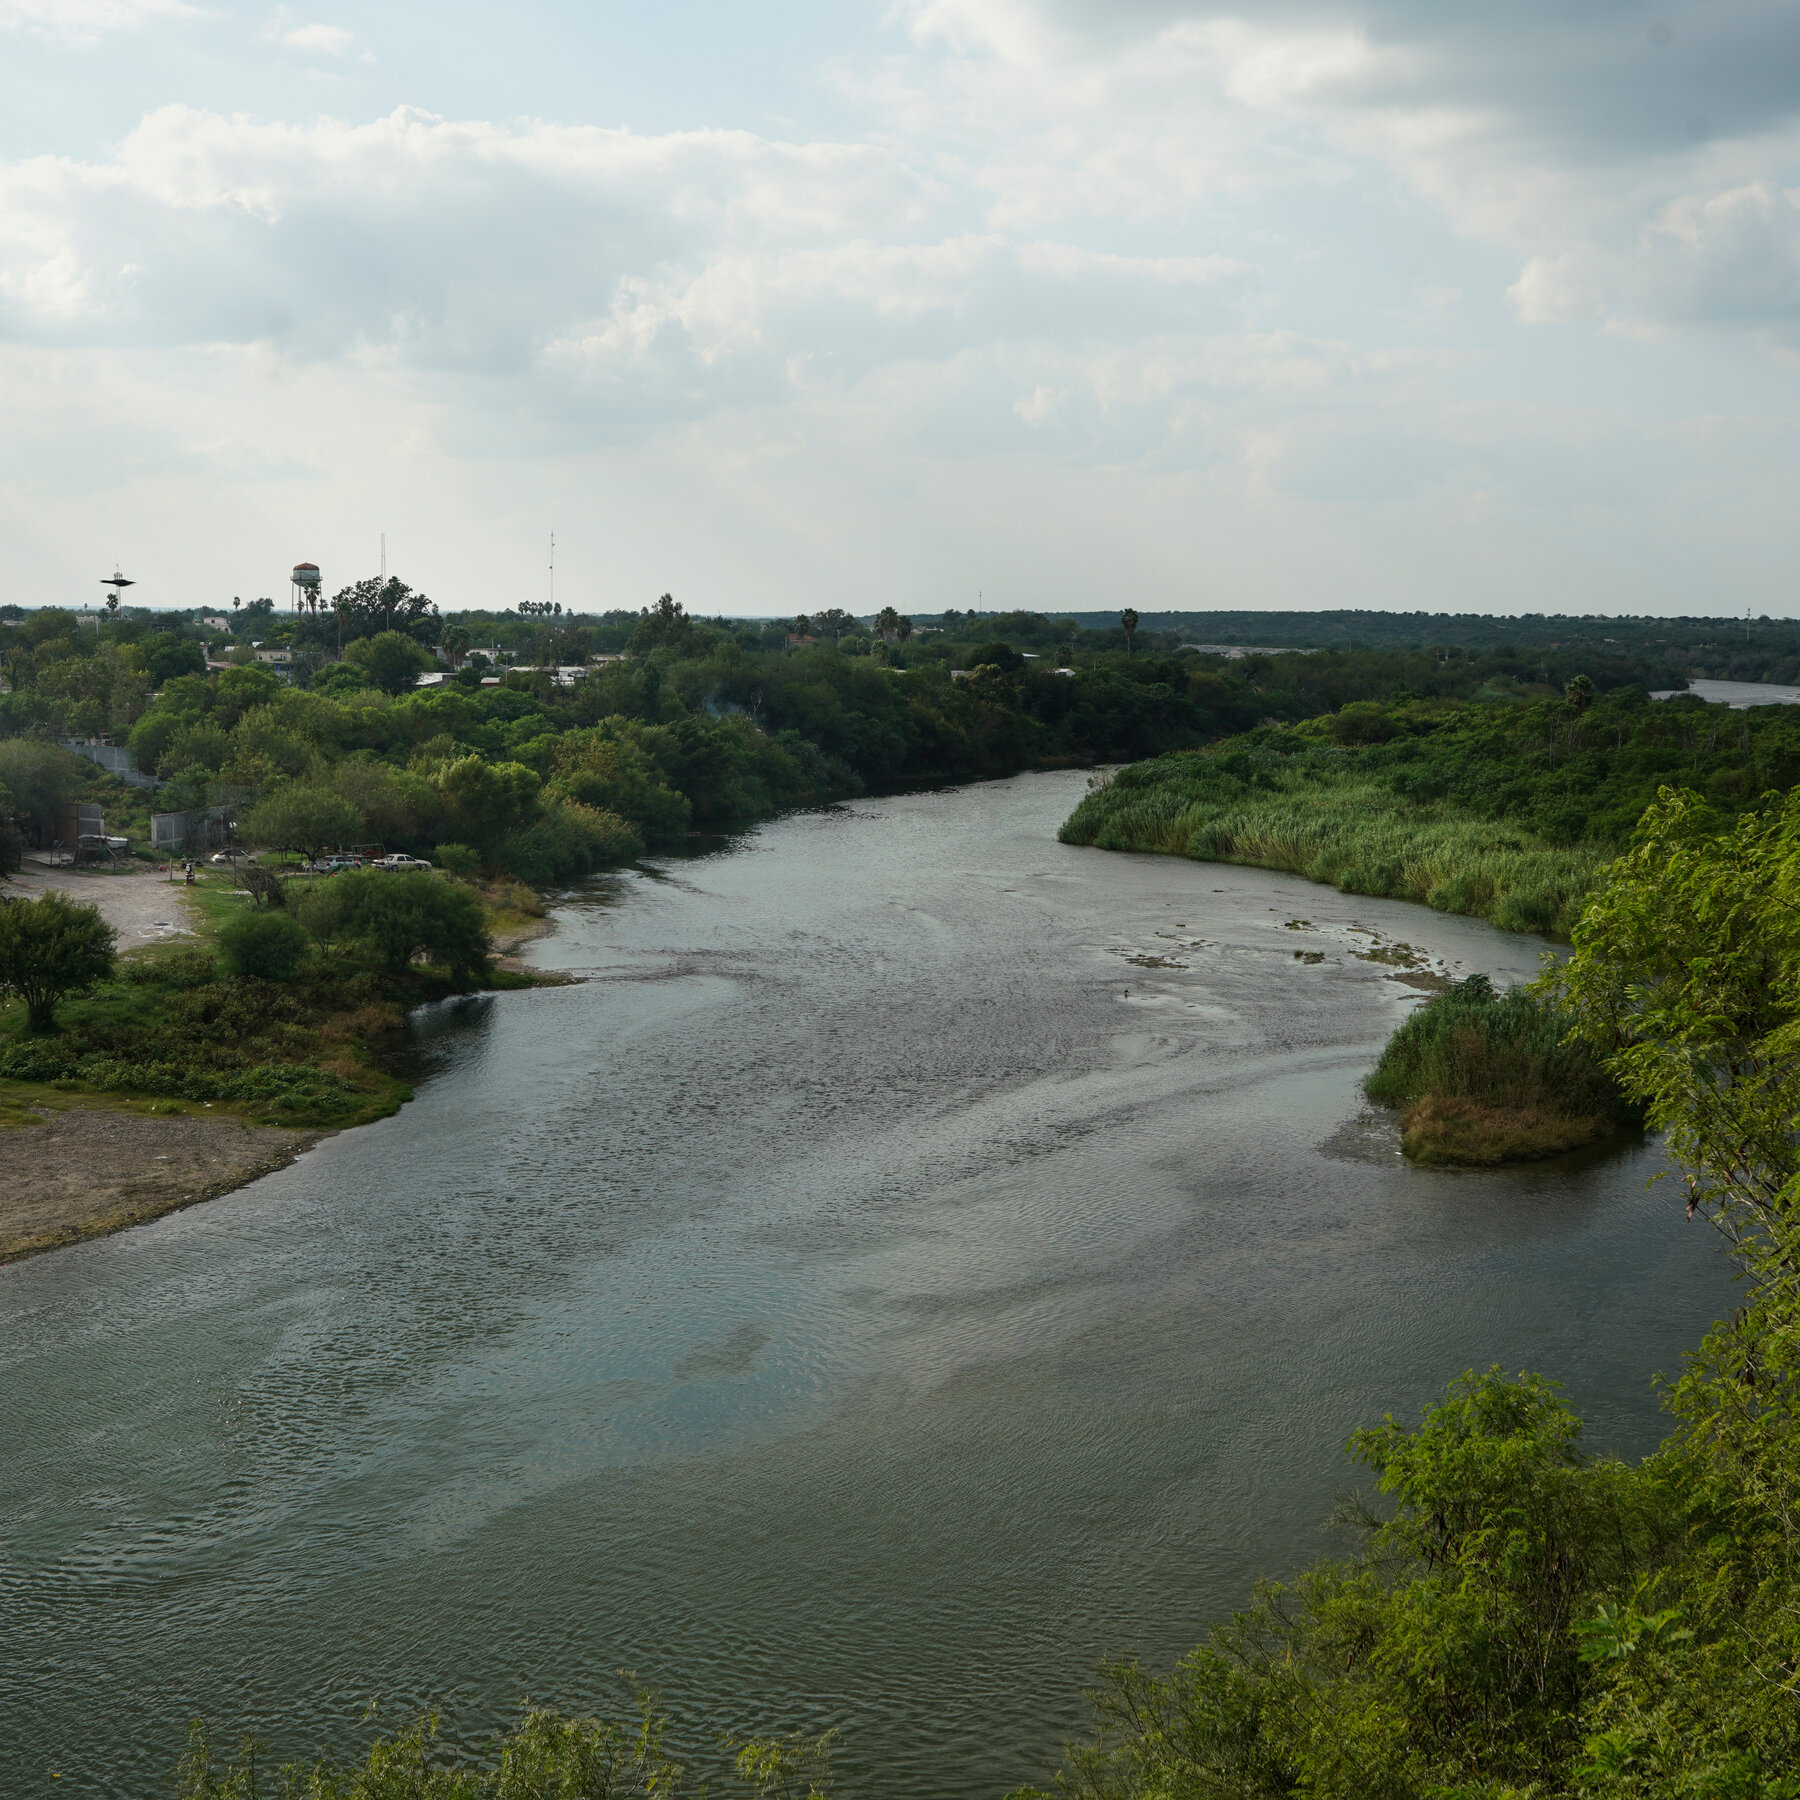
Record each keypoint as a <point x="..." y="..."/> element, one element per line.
<point x="1060" y="304"/>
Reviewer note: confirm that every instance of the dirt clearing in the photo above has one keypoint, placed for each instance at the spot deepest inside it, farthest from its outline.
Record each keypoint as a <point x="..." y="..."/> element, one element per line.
<point x="140" y="905"/>
<point x="81" y="1171"/>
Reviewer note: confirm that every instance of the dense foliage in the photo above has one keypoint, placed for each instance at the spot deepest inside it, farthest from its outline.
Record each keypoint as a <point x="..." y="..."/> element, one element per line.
<point x="278" y="1020"/>
<point x="1762" y="649"/>
<point x="545" y="1757"/>
<point x="1504" y="810"/>
<point x="1521" y="1620"/>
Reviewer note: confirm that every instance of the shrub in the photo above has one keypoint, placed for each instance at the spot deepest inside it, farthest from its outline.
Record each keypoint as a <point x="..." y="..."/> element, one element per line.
<point x="1492" y="1079"/>
<point x="270" y="946"/>
<point x="50" y="948"/>
<point x="458" y="859"/>
<point x="319" y="906"/>
<point x="568" y="839"/>
<point x="174" y="969"/>
<point x="264" y="886"/>
<point x="397" y="917"/>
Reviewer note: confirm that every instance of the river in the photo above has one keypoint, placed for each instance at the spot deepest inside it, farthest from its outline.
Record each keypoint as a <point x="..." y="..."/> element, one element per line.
<point x="919" y="1259"/>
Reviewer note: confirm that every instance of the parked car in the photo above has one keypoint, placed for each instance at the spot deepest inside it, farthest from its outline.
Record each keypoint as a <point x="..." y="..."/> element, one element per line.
<point x="225" y="857"/>
<point x="397" y="861"/>
<point x="330" y="865"/>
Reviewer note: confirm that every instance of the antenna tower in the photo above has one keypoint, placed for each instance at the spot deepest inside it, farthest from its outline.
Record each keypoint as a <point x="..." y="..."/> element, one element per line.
<point x="553" y="571"/>
<point x="384" y="556"/>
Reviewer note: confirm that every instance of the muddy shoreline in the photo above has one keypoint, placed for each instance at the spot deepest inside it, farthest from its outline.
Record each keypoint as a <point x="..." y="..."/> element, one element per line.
<point x="80" y="1171"/>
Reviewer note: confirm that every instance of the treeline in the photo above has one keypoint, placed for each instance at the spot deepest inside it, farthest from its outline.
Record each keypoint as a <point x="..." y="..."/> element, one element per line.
<point x="700" y="725"/>
<point x="1504" y="812"/>
<point x="1727" y="649"/>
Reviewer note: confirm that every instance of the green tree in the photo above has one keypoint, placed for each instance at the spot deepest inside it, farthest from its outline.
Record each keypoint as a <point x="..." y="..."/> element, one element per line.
<point x="666" y="623"/>
<point x="1686" y="977"/>
<point x="395" y="917"/>
<point x="1578" y="691"/>
<point x="12" y="840"/>
<point x="307" y="819"/>
<point x="40" y="777"/>
<point x="1128" y="623"/>
<point x="166" y="656"/>
<point x="269" y="945"/>
<point x="486" y="800"/>
<point x="390" y="661"/>
<point x="51" y="948"/>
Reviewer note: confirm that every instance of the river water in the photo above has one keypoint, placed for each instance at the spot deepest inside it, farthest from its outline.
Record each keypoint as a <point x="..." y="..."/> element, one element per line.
<point x="920" y="1259"/>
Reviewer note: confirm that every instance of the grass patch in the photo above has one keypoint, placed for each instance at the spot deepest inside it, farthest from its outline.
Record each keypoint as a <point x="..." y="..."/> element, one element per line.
<point x="1490" y="1078"/>
<point x="1456" y="1131"/>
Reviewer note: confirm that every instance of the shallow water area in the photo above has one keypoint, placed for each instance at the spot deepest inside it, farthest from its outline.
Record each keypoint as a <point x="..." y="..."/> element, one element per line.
<point x="918" y="1259"/>
<point x="1736" y="694"/>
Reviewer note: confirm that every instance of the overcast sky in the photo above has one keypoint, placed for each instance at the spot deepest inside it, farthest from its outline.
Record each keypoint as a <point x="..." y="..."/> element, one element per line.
<point x="1061" y="303"/>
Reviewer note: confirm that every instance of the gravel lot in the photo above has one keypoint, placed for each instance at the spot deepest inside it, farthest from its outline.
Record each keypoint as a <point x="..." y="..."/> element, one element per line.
<point x="142" y="906"/>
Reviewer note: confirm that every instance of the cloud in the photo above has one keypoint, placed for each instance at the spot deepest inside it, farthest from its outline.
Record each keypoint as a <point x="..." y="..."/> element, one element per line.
<point x="322" y="40"/>
<point x="78" y="23"/>
<point x="625" y="278"/>
<point x="1628" y="153"/>
<point x="1126" y="287"/>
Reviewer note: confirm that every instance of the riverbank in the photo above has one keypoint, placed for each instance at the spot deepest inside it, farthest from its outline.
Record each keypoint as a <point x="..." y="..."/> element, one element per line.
<point x="172" y="1082"/>
<point x="1350" y="833"/>
<point x="73" y="1171"/>
<point x="1500" y="809"/>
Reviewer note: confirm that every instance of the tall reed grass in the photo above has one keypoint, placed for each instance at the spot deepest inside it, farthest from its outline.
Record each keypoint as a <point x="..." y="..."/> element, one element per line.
<point x="1356" y="835"/>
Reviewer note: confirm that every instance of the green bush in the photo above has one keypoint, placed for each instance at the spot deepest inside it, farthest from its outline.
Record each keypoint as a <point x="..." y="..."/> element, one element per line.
<point x="567" y="839"/>
<point x="49" y="948"/>
<point x="268" y="945"/>
<point x="1502" y="1050"/>
<point x="319" y="906"/>
<point x="174" y="969"/>
<point x="395" y="917"/>
<point x="457" y="859"/>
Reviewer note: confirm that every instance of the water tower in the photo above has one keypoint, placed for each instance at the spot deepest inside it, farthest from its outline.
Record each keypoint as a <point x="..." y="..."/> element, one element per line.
<point x="306" y="586"/>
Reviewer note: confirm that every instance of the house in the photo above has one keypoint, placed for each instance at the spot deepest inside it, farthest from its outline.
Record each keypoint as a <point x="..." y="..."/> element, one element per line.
<point x="215" y="621"/>
<point x="275" y="656"/>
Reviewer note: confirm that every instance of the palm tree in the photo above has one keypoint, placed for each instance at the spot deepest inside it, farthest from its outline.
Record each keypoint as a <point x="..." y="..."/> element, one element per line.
<point x="1129" y="621"/>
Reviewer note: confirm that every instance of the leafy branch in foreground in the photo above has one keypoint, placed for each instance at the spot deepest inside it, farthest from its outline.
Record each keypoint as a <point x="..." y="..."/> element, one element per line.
<point x="547" y="1756"/>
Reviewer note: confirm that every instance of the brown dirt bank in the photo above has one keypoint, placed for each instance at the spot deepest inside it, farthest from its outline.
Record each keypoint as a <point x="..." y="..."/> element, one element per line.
<point x="76" y="1172"/>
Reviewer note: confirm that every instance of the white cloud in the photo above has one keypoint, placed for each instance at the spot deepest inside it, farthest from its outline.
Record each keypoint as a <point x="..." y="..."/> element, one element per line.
<point x="322" y="40"/>
<point x="78" y="23"/>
